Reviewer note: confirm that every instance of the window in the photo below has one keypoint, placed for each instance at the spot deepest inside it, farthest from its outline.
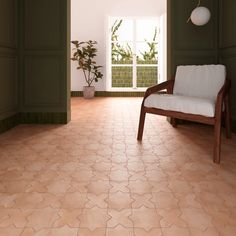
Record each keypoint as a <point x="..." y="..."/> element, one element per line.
<point x="133" y="53"/>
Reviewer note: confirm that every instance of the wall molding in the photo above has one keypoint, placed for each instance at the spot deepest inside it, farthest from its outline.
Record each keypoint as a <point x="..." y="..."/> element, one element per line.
<point x="228" y="46"/>
<point x="229" y="52"/>
<point x="8" y="46"/>
<point x="7" y="51"/>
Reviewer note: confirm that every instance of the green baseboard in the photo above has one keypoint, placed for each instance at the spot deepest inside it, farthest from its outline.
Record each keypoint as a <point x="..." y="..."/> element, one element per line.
<point x="76" y="94"/>
<point x="8" y="123"/>
<point x="33" y="118"/>
<point x="43" y="118"/>
<point x="109" y="94"/>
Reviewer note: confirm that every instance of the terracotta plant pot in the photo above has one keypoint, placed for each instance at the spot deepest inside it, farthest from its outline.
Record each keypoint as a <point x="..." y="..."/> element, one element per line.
<point x="89" y="92"/>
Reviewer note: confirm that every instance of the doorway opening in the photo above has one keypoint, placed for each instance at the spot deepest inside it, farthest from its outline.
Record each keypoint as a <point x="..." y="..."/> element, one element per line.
<point x="97" y="26"/>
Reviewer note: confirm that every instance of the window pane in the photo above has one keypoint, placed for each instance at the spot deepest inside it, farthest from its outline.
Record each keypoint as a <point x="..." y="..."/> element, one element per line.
<point x="121" y="30"/>
<point x="146" y="76"/>
<point x="147" y="30"/>
<point x="122" y="53"/>
<point x="146" y="53"/>
<point x="122" y="76"/>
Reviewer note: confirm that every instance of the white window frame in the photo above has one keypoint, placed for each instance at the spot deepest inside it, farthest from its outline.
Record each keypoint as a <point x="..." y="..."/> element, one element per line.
<point x="134" y="65"/>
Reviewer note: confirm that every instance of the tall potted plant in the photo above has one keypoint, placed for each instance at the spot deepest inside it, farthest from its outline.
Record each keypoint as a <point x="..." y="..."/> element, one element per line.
<point x="84" y="55"/>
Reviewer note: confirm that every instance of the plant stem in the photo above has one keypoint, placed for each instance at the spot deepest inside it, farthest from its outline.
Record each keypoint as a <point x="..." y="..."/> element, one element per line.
<point x="89" y="78"/>
<point x="85" y="76"/>
<point x="91" y="81"/>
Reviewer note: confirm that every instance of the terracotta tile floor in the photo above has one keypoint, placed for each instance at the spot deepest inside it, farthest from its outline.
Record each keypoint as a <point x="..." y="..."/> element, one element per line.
<point x="92" y="178"/>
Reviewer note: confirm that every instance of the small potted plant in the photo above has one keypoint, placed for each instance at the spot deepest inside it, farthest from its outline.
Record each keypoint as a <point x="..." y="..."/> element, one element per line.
<point x="84" y="54"/>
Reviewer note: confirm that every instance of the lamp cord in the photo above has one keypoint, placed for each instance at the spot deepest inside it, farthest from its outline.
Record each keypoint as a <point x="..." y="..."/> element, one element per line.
<point x="199" y="3"/>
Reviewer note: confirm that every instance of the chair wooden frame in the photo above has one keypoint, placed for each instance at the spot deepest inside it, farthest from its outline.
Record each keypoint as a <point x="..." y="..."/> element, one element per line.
<point x="223" y="97"/>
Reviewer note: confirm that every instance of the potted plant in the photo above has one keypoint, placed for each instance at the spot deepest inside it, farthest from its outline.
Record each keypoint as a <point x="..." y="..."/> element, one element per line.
<point x="84" y="54"/>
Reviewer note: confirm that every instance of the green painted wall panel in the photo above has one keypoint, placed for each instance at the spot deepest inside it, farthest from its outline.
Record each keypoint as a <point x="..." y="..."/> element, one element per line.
<point x="8" y="23"/>
<point x="35" y="72"/>
<point x="190" y="44"/>
<point x="230" y="63"/>
<point x="43" y="56"/>
<point x="227" y="41"/>
<point x="43" y="24"/>
<point x="43" y="86"/>
<point x="227" y="21"/>
<point x="188" y="36"/>
<point x="8" y="62"/>
<point x="8" y="84"/>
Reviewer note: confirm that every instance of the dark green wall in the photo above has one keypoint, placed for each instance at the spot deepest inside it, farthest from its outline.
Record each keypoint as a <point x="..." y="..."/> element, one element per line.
<point x="190" y="44"/>
<point x="44" y="48"/>
<point x="8" y="63"/>
<point x="227" y="44"/>
<point x="35" y="72"/>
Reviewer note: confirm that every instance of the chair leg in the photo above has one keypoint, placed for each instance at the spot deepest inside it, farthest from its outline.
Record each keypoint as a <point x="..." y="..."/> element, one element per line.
<point x="173" y="122"/>
<point x="141" y="124"/>
<point x="217" y="142"/>
<point x="227" y="117"/>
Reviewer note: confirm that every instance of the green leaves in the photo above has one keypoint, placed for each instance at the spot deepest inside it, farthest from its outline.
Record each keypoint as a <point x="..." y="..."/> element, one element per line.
<point x="122" y="54"/>
<point x="84" y="54"/>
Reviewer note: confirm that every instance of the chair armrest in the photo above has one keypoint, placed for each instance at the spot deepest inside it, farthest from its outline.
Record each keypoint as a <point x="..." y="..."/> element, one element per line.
<point x="224" y="89"/>
<point x="221" y="95"/>
<point x="227" y="87"/>
<point x="169" y="84"/>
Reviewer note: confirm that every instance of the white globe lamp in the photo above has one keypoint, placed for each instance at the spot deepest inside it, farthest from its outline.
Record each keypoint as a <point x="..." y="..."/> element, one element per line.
<point x="200" y="16"/>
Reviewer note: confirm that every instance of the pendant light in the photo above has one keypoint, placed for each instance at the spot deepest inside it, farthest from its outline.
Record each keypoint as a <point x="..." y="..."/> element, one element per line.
<point x="200" y="15"/>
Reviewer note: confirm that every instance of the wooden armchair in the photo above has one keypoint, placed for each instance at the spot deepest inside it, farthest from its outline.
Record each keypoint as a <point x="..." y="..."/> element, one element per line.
<point x="198" y="93"/>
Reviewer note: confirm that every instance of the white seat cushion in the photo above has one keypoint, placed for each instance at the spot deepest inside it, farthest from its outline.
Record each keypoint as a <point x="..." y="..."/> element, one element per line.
<point x="204" y="81"/>
<point x="185" y="104"/>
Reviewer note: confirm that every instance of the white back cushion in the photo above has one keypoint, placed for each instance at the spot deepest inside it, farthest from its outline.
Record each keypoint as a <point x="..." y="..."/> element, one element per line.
<point x="203" y="81"/>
